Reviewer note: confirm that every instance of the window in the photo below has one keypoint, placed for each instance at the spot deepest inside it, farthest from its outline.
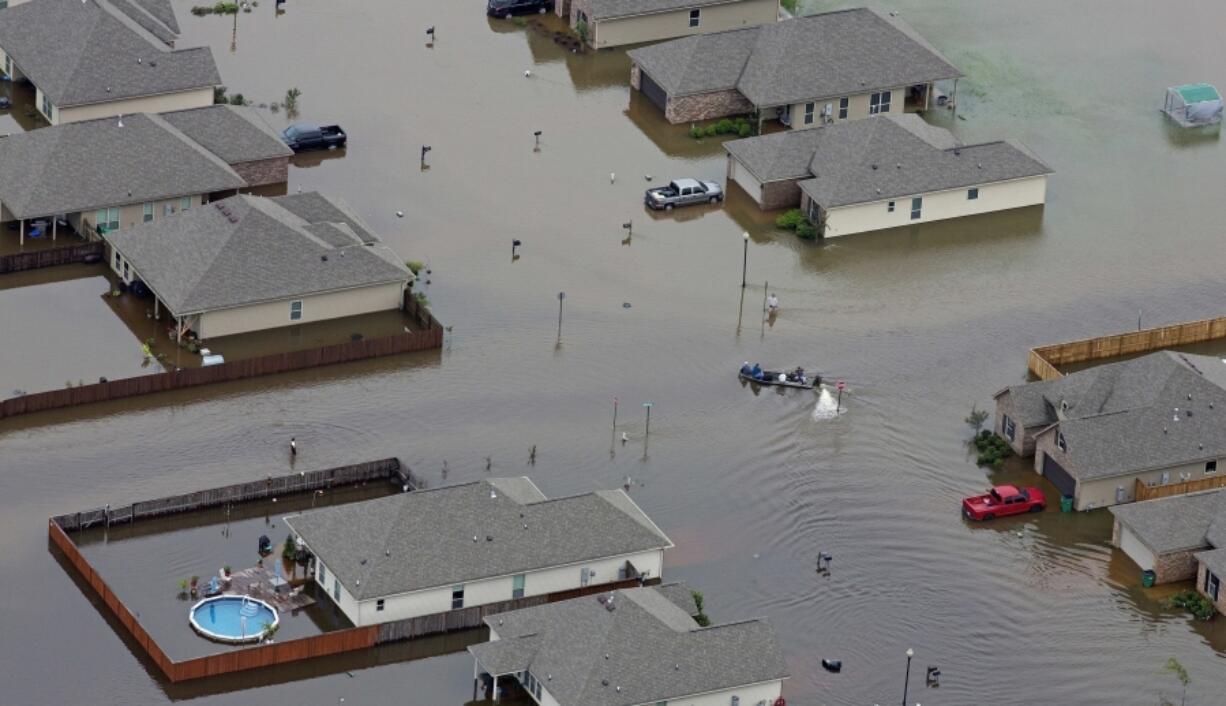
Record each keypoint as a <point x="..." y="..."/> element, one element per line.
<point x="8" y="60"/>
<point x="112" y="219"/>
<point x="336" y="589"/>
<point x="457" y="597"/>
<point x="1061" y="442"/>
<point x="1210" y="467"/>
<point x="736" y="701"/>
<point x="295" y="311"/>
<point x="843" y="105"/>
<point x="1212" y="584"/>
<point x="889" y="207"/>
<point x="168" y="209"/>
<point x="972" y="194"/>
<point x="185" y="203"/>
<point x="323" y="574"/>
<point x="148" y="211"/>
<point x="517" y="586"/>
<point x="585" y="576"/>
<point x="809" y="108"/>
<point x="48" y="109"/>
<point x="695" y="17"/>
<point x="917" y="207"/>
<point x="879" y="103"/>
<point x="118" y="261"/>
<point x="379" y="604"/>
<point x="1009" y="427"/>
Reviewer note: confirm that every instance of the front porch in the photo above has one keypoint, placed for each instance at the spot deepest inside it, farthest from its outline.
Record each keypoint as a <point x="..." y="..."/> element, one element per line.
<point x="37" y="234"/>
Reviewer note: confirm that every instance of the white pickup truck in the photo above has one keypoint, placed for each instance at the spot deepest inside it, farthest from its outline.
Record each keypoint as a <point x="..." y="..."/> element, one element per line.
<point x="683" y="192"/>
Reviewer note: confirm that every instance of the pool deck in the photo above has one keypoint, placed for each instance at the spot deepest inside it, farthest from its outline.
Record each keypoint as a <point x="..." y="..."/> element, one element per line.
<point x="258" y="582"/>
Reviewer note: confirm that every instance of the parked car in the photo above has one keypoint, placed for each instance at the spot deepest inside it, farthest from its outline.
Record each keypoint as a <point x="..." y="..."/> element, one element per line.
<point x="507" y="8"/>
<point x="302" y="137"/>
<point x="1002" y="501"/>
<point x="683" y="192"/>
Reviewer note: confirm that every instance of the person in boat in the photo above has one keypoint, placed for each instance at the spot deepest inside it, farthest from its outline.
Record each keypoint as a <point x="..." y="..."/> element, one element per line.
<point x="798" y="375"/>
<point x="746" y="368"/>
<point x="756" y="372"/>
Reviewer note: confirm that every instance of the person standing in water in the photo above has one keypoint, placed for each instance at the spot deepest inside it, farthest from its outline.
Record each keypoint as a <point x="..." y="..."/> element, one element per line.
<point x="293" y="446"/>
<point x="772" y="303"/>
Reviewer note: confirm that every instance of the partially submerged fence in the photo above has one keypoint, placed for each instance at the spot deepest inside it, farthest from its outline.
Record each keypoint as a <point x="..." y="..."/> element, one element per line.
<point x="1143" y="491"/>
<point x="22" y="261"/>
<point x="429" y="337"/>
<point x="1043" y="361"/>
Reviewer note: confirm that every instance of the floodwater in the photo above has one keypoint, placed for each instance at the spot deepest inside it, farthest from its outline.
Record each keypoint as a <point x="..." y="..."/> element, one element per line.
<point x="921" y="323"/>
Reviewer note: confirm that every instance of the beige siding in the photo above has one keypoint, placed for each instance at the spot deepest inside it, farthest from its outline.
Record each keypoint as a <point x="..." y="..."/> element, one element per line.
<point x="937" y="206"/>
<point x="738" y="173"/>
<point x="52" y="114"/>
<point x="765" y="692"/>
<point x="494" y="590"/>
<point x="197" y="98"/>
<point x="330" y="585"/>
<point x="667" y="25"/>
<point x="333" y="305"/>
<point x="131" y="215"/>
<point x="1135" y="549"/>
<point x="857" y="108"/>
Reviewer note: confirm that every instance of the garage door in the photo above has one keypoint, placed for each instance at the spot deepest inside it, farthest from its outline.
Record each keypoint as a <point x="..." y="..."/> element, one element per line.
<point x="1136" y="551"/>
<point x="653" y="91"/>
<point x="1059" y="477"/>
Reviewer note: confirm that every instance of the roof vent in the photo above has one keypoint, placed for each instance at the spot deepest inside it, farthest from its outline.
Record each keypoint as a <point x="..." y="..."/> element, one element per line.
<point x="139" y="61"/>
<point x="153" y="63"/>
<point x="548" y="677"/>
<point x="677" y="667"/>
<point x="619" y="689"/>
<point x="357" y="582"/>
<point x="474" y="537"/>
<point x="957" y="153"/>
<point x="489" y="537"/>
<point x="362" y="562"/>
<point x="525" y="525"/>
<point x="323" y="258"/>
<point x="1201" y="447"/>
<point x="1188" y="413"/>
<point x="387" y="552"/>
<point x="1189" y="395"/>
<point x="879" y="191"/>
<point x="979" y="164"/>
<point x="1210" y="405"/>
<point x="874" y="167"/>
<point x="232" y="219"/>
<point x="606" y="655"/>
<point x="604" y="682"/>
<point x="898" y="165"/>
<point x="493" y="493"/>
<point x="1164" y="430"/>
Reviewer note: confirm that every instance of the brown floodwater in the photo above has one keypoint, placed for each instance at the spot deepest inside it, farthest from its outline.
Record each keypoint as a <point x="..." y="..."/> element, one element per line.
<point x="921" y="322"/>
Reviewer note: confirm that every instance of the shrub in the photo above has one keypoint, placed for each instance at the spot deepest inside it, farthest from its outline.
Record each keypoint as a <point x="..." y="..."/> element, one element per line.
<point x="723" y="127"/>
<point x="219" y="94"/>
<point x="581" y="30"/>
<point x="712" y="130"/>
<point x="976" y="418"/>
<point x="744" y="130"/>
<point x="806" y="230"/>
<point x="414" y="266"/>
<point x="289" y="549"/>
<point x="791" y="219"/>
<point x="238" y="99"/>
<point x="1193" y="602"/>
<point x="992" y="449"/>
<point x="700" y="617"/>
<point x="697" y="132"/>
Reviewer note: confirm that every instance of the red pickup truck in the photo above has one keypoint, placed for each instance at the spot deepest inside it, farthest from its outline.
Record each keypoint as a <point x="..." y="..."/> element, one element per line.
<point x="1001" y="501"/>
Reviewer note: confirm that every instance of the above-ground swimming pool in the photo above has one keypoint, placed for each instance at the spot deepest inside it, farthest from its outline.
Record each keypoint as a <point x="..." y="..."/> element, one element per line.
<point x="232" y="619"/>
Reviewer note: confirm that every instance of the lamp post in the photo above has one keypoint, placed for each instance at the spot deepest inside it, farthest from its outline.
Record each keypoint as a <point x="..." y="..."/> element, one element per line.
<point x="561" y="298"/>
<point x="647" y="427"/>
<point x="907" y="681"/>
<point x="745" y="258"/>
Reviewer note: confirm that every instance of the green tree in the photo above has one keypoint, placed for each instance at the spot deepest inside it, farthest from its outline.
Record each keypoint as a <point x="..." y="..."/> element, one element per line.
<point x="976" y="418"/>
<point x="1174" y="667"/>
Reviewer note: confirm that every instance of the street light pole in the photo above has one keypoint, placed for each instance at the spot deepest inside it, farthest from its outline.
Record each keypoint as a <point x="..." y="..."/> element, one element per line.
<point x="561" y="298"/>
<point x="745" y="258"/>
<point x="907" y="681"/>
<point x="647" y="428"/>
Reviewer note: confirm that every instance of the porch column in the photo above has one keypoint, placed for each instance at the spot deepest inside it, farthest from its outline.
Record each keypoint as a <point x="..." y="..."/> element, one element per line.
<point x="476" y="676"/>
<point x="954" y="98"/>
<point x="495" y="689"/>
<point x="55" y="224"/>
<point x="156" y="313"/>
<point x="179" y="330"/>
<point x="22" y="237"/>
<point x="928" y="95"/>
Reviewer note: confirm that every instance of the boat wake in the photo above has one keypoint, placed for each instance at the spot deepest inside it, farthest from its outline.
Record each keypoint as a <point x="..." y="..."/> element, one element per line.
<point x="827" y="406"/>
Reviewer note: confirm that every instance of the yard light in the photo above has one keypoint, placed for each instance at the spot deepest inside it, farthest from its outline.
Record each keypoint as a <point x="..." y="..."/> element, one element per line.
<point x="745" y="258"/>
<point x="907" y="679"/>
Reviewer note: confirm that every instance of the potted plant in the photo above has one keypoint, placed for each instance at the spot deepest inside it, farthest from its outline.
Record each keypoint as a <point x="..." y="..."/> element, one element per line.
<point x="182" y="589"/>
<point x="225" y="571"/>
<point x="269" y="631"/>
<point x="195" y="581"/>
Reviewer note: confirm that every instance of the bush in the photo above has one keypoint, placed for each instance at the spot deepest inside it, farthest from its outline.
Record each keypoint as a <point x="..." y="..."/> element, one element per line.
<point x="791" y="219"/>
<point x="700" y="617"/>
<point x="697" y="132"/>
<point x="712" y="130"/>
<point x="414" y="266"/>
<point x="992" y="449"/>
<point x="581" y="30"/>
<point x="744" y="130"/>
<point x="1193" y="602"/>
<point x="724" y="126"/>
<point x="806" y="230"/>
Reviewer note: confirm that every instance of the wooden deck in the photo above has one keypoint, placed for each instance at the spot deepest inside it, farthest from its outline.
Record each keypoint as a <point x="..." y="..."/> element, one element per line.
<point x="259" y="582"/>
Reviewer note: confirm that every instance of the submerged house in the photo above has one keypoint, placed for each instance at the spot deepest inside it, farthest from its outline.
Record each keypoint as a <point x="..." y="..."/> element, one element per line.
<point x="1178" y="538"/>
<point x="1098" y="434"/>
<point x="889" y="171"/>
<point x="631" y="647"/>
<point x="463" y="551"/>
<point x="113" y="173"/>
<point x="250" y="263"/>
<point x="804" y="72"/>
<point x="90" y="59"/>
<point x="612" y="23"/>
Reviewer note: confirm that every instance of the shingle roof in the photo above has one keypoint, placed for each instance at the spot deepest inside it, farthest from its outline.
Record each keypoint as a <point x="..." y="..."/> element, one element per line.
<point x="1136" y="415"/>
<point x="83" y="52"/>
<point x="609" y="9"/>
<point x="644" y="649"/>
<point x="245" y="250"/>
<point x="893" y="156"/>
<point x="1177" y="523"/>
<point x="1214" y="560"/>
<point x="154" y="16"/>
<point x="236" y="134"/>
<point x="93" y="164"/>
<point x="839" y="53"/>
<point x="425" y="539"/>
<point x="779" y="155"/>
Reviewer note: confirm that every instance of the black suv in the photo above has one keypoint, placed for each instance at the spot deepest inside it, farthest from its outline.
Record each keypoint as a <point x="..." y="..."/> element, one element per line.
<point x="507" y="8"/>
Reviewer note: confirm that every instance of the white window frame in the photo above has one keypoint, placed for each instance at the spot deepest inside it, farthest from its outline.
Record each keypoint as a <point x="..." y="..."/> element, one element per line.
<point x="457" y="603"/>
<point x="1210" y="467"/>
<point x="889" y="207"/>
<point x="917" y="208"/>
<point x="844" y="107"/>
<point x="696" y="17"/>
<point x="295" y="310"/>
<point x="147" y="211"/>
<point x="879" y="102"/>
<point x="810" y="109"/>
<point x="185" y="203"/>
<point x="972" y="194"/>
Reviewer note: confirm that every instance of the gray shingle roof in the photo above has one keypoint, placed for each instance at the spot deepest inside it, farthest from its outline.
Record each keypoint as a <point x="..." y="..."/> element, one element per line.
<point x="93" y="164"/>
<point x="1177" y="523"/>
<point x="779" y="155"/>
<point x="424" y="539"/>
<point x="236" y="134"/>
<point x="1125" y="420"/>
<point x="831" y="54"/>
<point x="317" y="208"/>
<point x="245" y="250"/>
<point x="645" y="649"/>
<point x="1215" y="561"/>
<point x="154" y="16"/>
<point x="893" y="156"/>
<point x="82" y="52"/>
<point x="609" y="9"/>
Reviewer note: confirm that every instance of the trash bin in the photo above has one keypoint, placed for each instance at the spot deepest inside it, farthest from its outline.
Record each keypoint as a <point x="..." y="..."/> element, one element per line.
<point x="1148" y="577"/>
<point x="1066" y="503"/>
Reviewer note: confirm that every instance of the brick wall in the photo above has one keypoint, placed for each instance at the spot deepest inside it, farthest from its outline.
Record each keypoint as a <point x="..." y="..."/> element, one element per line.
<point x="1023" y="438"/>
<point x="579" y="7"/>
<point x="1220" y="604"/>
<point x="264" y="171"/>
<point x="780" y="194"/>
<point x="706" y="106"/>
<point x="1174" y="566"/>
<point x="636" y="77"/>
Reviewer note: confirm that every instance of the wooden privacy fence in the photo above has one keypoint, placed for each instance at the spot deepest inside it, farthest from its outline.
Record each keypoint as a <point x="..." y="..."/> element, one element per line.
<point x="1142" y="491"/>
<point x="20" y="262"/>
<point x="1043" y="361"/>
<point x="383" y="469"/>
<point x="430" y="337"/>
